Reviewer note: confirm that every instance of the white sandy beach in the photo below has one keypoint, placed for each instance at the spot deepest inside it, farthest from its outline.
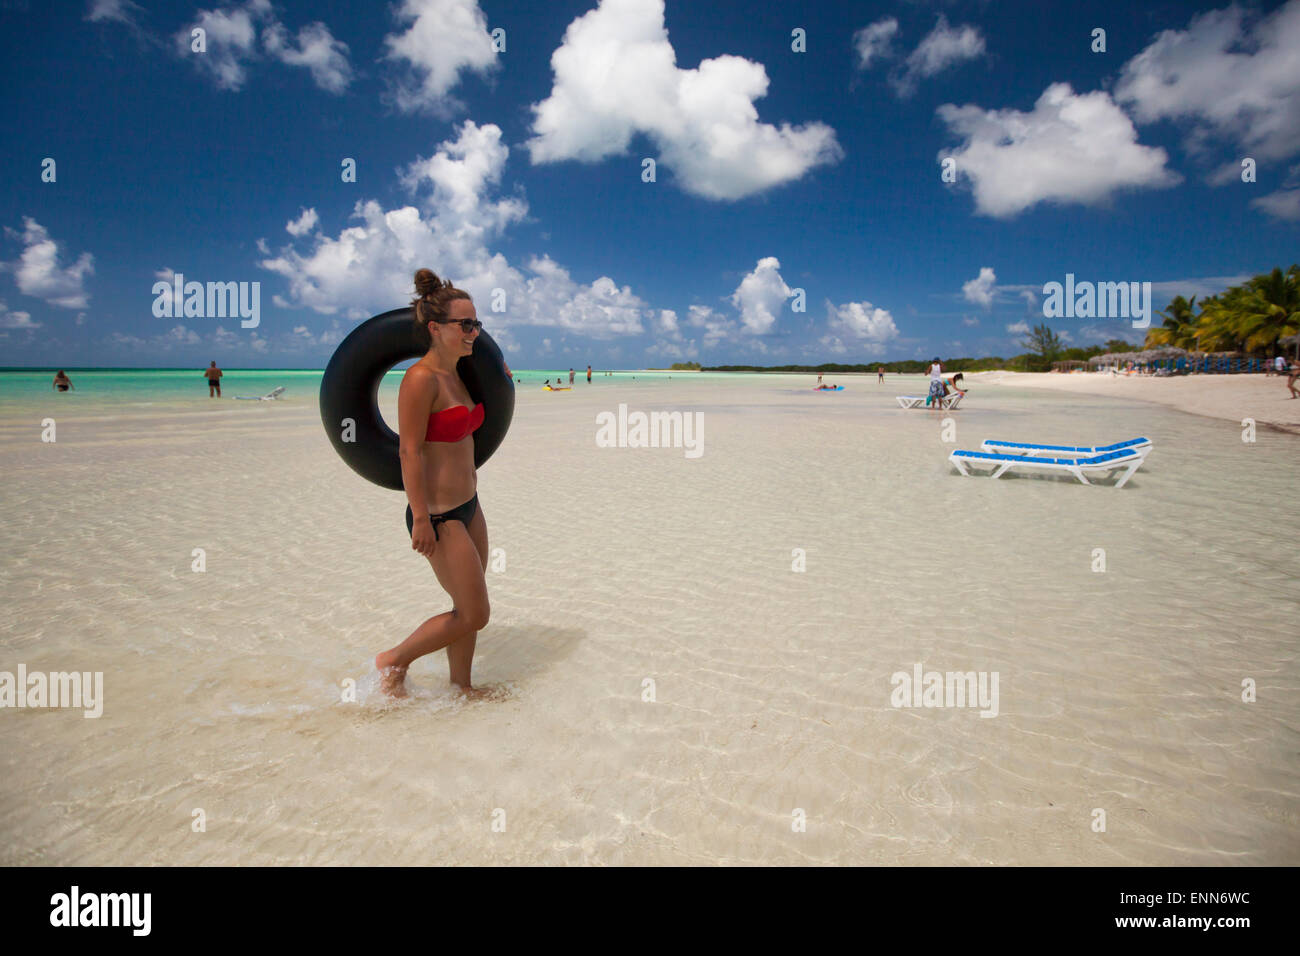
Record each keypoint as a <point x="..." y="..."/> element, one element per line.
<point x="1119" y="691"/>
<point x="1234" y="397"/>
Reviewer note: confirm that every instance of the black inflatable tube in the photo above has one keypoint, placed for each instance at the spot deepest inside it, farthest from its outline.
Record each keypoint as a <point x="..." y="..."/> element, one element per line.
<point x="350" y="390"/>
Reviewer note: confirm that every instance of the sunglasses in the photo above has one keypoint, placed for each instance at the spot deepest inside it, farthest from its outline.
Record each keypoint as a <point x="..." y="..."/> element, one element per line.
<point x="466" y="325"/>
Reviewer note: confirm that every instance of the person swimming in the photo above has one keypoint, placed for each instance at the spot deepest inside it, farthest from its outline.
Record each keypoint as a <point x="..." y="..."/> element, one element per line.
<point x="436" y="423"/>
<point x="62" y="383"/>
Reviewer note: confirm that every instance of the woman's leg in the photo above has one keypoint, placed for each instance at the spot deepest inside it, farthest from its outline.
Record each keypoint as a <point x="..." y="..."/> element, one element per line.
<point x="459" y="569"/>
<point x="460" y="654"/>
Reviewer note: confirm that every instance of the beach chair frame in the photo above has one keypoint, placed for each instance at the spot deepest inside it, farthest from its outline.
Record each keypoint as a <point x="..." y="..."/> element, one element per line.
<point x="1128" y="461"/>
<point x="913" y="401"/>
<point x="993" y="446"/>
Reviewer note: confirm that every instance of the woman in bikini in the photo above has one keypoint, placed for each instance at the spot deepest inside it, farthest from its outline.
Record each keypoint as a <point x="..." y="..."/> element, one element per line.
<point x="436" y="424"/>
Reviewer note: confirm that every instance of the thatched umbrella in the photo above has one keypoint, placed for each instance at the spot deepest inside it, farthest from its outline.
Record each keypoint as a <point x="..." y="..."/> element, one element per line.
<point x="1292" y="340"/>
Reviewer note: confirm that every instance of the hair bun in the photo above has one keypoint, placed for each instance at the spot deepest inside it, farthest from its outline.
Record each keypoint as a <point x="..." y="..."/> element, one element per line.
<point x="426" y="282"/>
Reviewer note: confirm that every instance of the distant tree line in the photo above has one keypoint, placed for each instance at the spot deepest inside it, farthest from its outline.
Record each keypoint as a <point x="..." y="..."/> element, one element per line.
<point x="1044" y="350"/>
<point x="1251" y="318"/>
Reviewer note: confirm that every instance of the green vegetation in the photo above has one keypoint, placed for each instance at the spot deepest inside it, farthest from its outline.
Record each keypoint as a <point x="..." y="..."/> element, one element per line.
<point x="1021" y="363"/>
<point x="1248" y="318"/>
<point x="686" y="366"/>
<point x="1044" y="348"/>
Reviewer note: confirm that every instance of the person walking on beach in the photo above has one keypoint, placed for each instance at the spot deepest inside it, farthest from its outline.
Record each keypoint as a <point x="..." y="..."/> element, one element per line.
<point x="1291" y="379"/>
<point x="1279" y="365"/>
<point x="62" y="383"/>
<point x="213" y="375"/>
<point x="936" y="383"/>
<point x="819" y="379"/>
<point x="880" y="375"/>
<point x="588" y="374"/>
<point x="570" y="377"/>
<point x="436" y="420"/>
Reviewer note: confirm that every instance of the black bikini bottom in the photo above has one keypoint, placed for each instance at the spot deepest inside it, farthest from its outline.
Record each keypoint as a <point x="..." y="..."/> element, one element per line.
<point x="462" y="513"/>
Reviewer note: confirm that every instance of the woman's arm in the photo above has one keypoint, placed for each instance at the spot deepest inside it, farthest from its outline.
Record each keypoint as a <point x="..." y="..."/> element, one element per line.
<point x="415" y="398"/>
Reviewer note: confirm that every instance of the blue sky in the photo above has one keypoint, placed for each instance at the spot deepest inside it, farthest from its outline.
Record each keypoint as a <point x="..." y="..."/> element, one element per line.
<point x="798" y="213"/>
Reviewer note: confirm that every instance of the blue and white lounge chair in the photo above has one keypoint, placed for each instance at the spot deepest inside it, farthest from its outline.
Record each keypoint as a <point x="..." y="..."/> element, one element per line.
<point x="912" y="401"/>
<point x="1142" y="445"/>
<point x="1080" y="468"/>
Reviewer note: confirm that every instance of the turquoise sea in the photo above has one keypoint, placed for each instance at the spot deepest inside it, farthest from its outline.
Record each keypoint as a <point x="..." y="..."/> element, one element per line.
<point x="170" y="385"/>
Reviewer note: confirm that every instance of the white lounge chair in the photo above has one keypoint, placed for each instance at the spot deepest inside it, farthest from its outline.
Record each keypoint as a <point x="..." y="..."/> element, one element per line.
<point x="270" y="396"/>
<point x="912" y="401"/>
<point x="1141" y="445"/>
<point x="1080" y="468"/>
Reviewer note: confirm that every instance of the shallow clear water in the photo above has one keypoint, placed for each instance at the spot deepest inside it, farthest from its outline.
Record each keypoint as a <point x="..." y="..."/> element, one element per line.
<point x="627" y="569"/>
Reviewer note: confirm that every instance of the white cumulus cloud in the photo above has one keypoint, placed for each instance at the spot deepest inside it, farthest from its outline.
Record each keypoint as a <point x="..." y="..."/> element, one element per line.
<point x="873" y="41"/>
<point x="1283" y="203"/>
<point x="616" y="75"/>
<point x="943" y="47"/>
<point x="1230" y="75"/>
<point x="761" y="296"/>
<point x="316" y="49"/>
<point x="303" y="224"/>
<point x="442" y="39"/>
<point x="980" y="289"/>
<point x="40" y="272"/>
<point x="864" y="321"/>
<point x="1071" y="148"/>
<point x="121" y="11"/>
<point x="230" y="38"/>
<point x="370" y="264"/>
<point x="15" y="319"/>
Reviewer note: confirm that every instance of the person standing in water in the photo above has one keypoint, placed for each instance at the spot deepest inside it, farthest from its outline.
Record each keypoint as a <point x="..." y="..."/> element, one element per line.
<point x="62" y="383"/>
<point x="588" y="374"/>
<point x="213" y="375"/>
<point x="936" y="383"/>
<point x="436" y="423"/>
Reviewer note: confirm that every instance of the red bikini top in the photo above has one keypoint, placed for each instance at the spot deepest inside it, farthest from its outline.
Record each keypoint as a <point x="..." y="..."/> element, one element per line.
<point x="454" y="423"/>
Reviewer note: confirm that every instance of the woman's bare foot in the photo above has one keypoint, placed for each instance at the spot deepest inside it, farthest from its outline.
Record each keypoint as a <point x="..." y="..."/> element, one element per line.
<point x="392" y="679"/>
<point x="490" y="692"/>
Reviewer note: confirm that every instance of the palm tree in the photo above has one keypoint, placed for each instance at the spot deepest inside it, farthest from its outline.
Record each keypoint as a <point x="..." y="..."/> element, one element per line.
<point x="1249" y="318"/>
<point x="1268" y="310"/>
<point x="1214" y="326"/>
<point x="1178" y="328"/>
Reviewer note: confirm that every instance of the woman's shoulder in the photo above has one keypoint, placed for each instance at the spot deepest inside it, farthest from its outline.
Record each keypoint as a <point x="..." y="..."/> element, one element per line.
<point x="421" y="378"/>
